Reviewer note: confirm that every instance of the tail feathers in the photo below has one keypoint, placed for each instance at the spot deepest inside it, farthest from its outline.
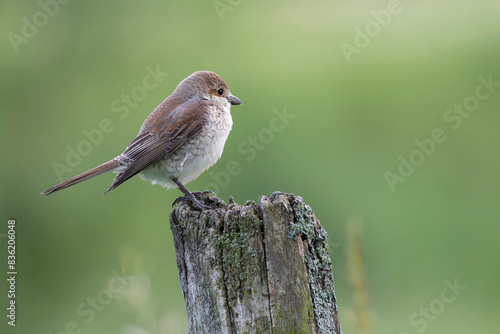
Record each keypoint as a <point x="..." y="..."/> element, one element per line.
<point x="105" y="167"/>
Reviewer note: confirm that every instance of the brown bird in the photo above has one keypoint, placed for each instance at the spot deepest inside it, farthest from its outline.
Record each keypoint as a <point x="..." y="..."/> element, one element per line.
<point x="178" y="141"/>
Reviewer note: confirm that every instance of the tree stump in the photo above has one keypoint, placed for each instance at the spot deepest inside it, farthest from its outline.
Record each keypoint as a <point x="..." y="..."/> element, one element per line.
<point x="254" y="268"/>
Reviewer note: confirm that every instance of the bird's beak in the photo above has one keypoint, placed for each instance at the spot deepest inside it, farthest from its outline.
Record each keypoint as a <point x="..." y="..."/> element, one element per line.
<point x="233" y="100"/>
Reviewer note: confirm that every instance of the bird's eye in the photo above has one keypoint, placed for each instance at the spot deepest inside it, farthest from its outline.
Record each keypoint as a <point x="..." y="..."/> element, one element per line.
<point x="220" y="91"/>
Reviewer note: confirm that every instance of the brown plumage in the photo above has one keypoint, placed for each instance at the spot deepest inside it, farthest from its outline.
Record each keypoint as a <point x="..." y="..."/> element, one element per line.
<point x="105" y="167"/>
<point x="181" y="138"/>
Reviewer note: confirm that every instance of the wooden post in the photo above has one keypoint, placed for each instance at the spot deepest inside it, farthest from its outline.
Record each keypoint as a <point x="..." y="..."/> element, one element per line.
<point x="254" y="268"/>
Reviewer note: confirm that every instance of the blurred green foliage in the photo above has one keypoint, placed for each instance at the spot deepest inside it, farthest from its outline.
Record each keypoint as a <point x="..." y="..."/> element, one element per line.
<point x="353" y="120"/>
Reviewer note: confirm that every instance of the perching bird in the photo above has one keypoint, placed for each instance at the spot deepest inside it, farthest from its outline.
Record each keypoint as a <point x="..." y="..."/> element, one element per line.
<point x="178" y="141"/>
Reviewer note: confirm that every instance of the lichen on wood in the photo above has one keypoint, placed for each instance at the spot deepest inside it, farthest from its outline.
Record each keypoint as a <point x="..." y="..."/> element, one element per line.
<point x="254" y="268"/>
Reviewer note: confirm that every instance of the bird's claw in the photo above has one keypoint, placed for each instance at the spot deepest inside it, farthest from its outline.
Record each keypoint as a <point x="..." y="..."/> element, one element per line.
<point x="193" y="200"/>
<point x="203" y="193"/>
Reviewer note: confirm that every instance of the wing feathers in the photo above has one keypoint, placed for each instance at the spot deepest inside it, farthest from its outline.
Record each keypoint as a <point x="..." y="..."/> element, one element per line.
<point x="165" y="137"/>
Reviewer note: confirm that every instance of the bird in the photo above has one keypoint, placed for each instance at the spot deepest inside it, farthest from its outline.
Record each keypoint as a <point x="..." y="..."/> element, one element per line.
<point x="179" y="140"/>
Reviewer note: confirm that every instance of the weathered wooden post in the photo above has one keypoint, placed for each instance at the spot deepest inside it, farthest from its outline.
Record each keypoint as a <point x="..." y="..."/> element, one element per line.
<point x="255" y="268"/>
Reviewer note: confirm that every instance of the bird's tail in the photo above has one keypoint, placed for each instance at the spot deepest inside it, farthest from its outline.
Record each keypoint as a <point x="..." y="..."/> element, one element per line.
<point x="105" y="167"/>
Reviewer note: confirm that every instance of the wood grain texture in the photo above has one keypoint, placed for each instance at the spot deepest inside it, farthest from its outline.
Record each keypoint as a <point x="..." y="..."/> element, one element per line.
<point x="255" y="268"/>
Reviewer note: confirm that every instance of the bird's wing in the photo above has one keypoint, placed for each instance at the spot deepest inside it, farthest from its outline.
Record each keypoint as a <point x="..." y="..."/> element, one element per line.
<point x="160" y="139"/>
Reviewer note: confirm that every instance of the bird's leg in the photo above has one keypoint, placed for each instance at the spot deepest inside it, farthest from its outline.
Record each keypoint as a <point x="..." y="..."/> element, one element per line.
<point x="188" y="196"/>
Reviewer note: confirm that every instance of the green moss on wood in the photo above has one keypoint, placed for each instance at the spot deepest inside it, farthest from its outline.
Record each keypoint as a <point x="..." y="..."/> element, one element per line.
<point x="240" y="261"/>
<point x="229" y="241"/>
<point x="318" y="263"/>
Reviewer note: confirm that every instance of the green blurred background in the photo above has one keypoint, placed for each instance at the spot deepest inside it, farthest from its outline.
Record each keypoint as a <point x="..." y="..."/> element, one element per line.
<point x="354" y="117"/>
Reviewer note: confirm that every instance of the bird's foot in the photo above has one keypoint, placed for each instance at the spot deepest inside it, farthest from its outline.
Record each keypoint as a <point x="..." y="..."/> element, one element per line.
<point x="203" y="193"/>
<point x="193" y="200"/>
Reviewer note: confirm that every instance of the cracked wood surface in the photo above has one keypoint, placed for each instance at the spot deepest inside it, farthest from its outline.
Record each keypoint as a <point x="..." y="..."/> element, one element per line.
<point x="254" y="268"/>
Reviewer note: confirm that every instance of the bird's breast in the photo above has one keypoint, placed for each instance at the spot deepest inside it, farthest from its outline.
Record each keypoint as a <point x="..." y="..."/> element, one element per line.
<point x="197" y="154"/>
